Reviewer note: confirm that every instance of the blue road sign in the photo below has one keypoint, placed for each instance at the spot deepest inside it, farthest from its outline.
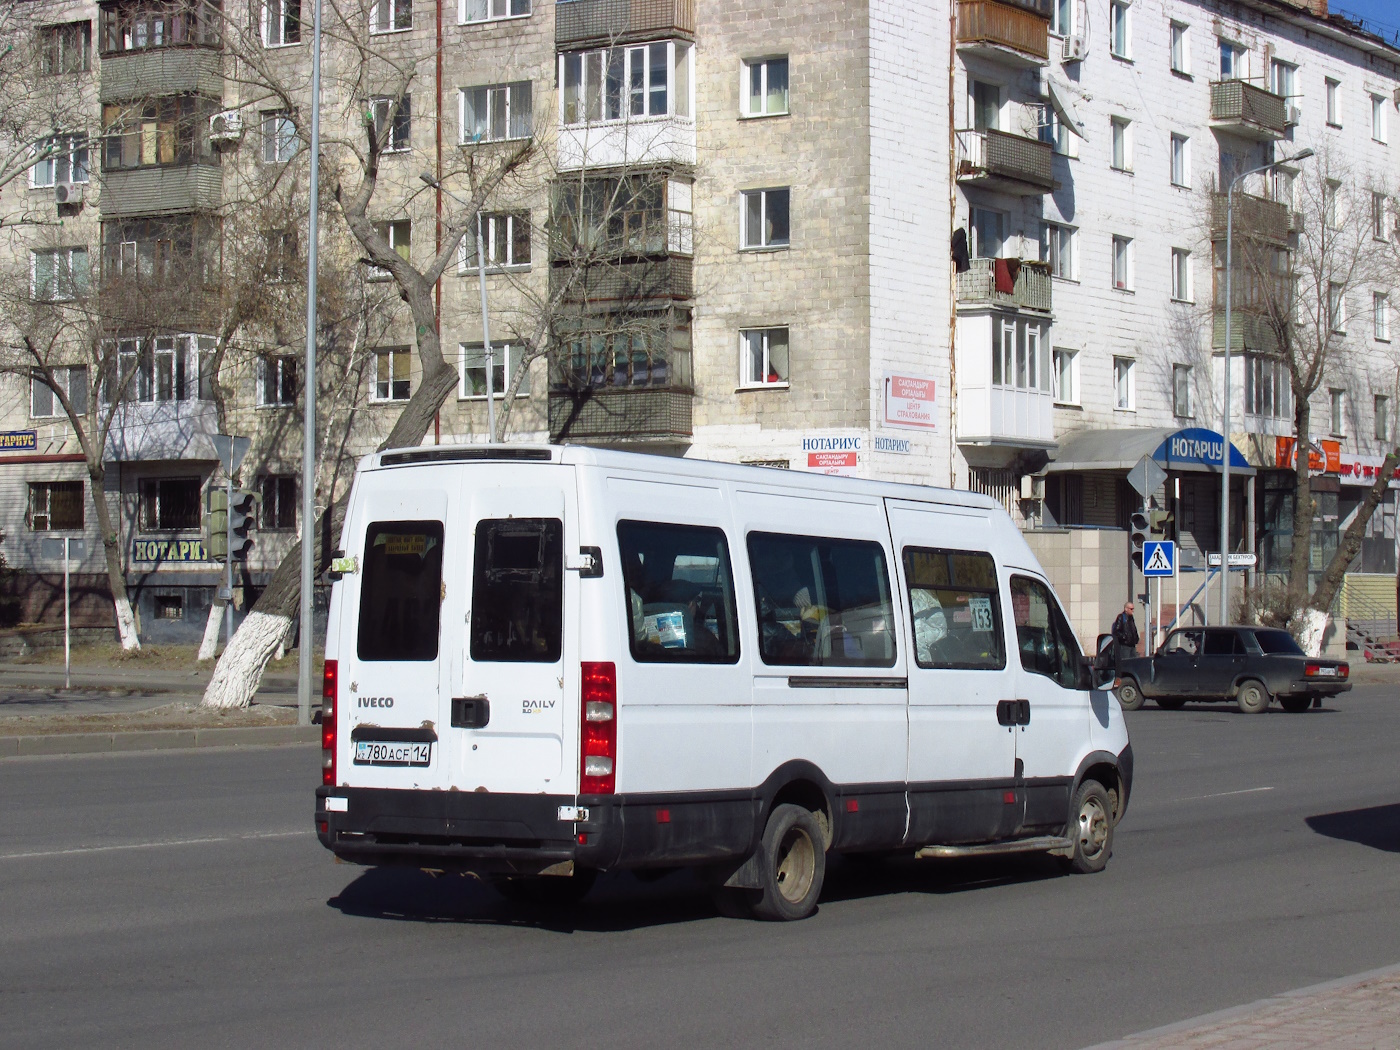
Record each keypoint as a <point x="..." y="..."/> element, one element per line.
<point x="1159" y="558"/>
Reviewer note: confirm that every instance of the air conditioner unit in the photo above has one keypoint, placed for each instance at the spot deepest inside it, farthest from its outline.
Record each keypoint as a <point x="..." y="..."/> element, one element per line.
<point x="226" y="127"/>
<point x="68" y="192"/>
<point x="1075" y="48"/>
<point x="1293" y="114"/>
<point x="1032" y="487"/>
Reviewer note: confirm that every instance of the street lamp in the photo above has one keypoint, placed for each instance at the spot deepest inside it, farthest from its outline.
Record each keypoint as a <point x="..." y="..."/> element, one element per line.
<point x="1225" y="408"/>
<point x="485" y="322"/>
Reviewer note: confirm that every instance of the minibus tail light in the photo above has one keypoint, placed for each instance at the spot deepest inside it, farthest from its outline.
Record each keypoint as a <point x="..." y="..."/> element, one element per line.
<point x="598" y="737"/>
<point x="329" y="689"/>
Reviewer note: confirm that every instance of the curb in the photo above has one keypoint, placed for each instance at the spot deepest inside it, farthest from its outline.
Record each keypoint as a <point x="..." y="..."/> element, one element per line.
<point x="154" y="740"/>
<point x="1232" y="1013"/>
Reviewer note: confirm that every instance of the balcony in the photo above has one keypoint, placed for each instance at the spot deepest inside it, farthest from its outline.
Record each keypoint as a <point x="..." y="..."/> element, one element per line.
<point x="668" y="141"/>
<point x="168" y="190"/>
<point x="1003" y="32"/>
<point x="1249" y="330"/>
<point x="1242" y="109"/>
<point x="1031" y="286"/>
<point x="1255" y="217"/>
<point x="642" y="281"/>
<point x="648" y="415"/>
<point x="1003" y="392"/>
<point x="162" y="430"/>
<point x="578" y="23"/>
<point x="160" y="72"/>
<point x="1004" y="163"/>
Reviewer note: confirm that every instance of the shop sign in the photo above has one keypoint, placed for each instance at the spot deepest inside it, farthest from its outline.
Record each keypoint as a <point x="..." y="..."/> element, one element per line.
<point x="832" y="455"/>
<point x="897" y="446"/>
<point x="1324" y="457"/>
<point x="909" y="401"/>
<point x="19" y="440"/>
<point x="168" y="550"/>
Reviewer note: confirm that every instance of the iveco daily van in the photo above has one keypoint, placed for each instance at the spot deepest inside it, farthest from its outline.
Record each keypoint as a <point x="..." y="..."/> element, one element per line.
<point x="546" y="662"/>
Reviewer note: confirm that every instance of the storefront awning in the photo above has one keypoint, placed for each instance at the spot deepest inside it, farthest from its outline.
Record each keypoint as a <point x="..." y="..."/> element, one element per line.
<point x="1191" y="449"/>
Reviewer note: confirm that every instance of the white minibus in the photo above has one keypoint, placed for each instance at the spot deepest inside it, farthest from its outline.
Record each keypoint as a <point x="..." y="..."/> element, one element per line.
<point x="544" y="662"/>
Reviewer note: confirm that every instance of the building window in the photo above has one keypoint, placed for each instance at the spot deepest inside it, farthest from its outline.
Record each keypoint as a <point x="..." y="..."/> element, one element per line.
<point x="59" y="274"/>
<point x="1336" y="307"/>
<point x="764" y="218"/>
<point x="164" y="369"/>
<point x="1332" y="206"/>
<point x="505" y="359"/>
<point x="1057" y="249"/>
<point x="169" y="504"/>
<point x="44" y="402"/>
<point x="507" y="242"/>
<point x="988" y="233"/>
<point x="1181" y="161"/>
<point x="1234" y="61"/>
<point x="644" y="351"/>
<point x="391" y="372"/>
<point x="277" y="381"/>
<point x="1120" y="30"/>
<point x="172" y="129"/>
<point x="1282" y="78"/>
<point x="1058" y="134"/>
<point x="1123" y="263"/>
<point x="279" y="501"/>
<point x="1181" y="391"/>
<point x="55" y="506"/>
<point x="280" y="254"/>
<point x="139" y="26"/>
<point x="1066" y="376"/>
<point x="1123" y="394"/>
<point x="281" y="22"/>
<point x="1378" y="129"/>
<point x="620" y="83"/>
<point x="64" y="159"/>
<point x="1381" y="413"/>
<point x="763" y="357"/>
<point x="1018" y="357"/>
<point x="279" y="137"/>
<point x="985" y="100"/>
<point x="399" y="234"/>
<point x="1062" y="17"/>
<point x="1380" y="311"/>
<point x="1379" y="210"/>
<point x="1182" y="287"/>
<point x="1181" y="48"/>
<point x="65" y="48"/>
<point x="169" y="606"/>
<point x="765" y="90"/>
<point x="391" y="16"/>
<point x="1337" y="405"/>
<point x="1122" y="137"/>
<point x="490" y="10"/>
<point x="497" y="112"/>
<point x="398" y="137"/>
<point x="1266" y="388"/>
<point x="1334" y="102"/>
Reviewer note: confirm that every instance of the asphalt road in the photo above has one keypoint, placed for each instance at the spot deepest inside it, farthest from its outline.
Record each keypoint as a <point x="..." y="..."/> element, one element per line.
<point x="180" y="899"/>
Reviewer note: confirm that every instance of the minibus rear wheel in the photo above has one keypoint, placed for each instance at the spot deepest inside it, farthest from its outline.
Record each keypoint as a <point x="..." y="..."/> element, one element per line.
<point x="793" y="867"/>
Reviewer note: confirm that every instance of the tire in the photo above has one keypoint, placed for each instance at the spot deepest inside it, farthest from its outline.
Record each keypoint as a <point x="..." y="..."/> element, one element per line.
<point x="1295" y="704"/>
<point x="1091" y="828"/>
<point x="1252" y="698"/>
<point x="546" y="891"/>
<point x="793" y="857"/>
<point x="1171" y="703"/>
<point x="1130" y="697"/>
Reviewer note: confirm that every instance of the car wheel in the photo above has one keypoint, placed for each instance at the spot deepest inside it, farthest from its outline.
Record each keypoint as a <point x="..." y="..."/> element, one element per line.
<point x="794" y="865"/>
<point x="1253" y="698"/>
<point x="1091" y="829"/>
<point x="1295" y="704"/>
<point x="1171" y="703"/>
<point x="1130" y="697"/>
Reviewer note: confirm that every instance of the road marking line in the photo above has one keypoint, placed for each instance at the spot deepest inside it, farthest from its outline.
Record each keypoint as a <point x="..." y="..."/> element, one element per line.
<point x="1221" y="794"/>
<point x="154" y="845"/>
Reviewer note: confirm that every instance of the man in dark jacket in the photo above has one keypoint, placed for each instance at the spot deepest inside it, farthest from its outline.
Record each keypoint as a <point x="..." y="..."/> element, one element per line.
<point x="1125" y="634"/>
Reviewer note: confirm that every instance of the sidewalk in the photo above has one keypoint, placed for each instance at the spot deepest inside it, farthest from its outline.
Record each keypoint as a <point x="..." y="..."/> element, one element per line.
<point x="1360" y="1012"/>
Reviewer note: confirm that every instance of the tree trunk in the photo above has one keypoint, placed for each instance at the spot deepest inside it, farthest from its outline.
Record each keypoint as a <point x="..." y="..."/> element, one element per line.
<point x="209" y="645"/>
<point x="1298" y="583"/>
<point x="116" y="581"/>
<point x="1350" y="546"/>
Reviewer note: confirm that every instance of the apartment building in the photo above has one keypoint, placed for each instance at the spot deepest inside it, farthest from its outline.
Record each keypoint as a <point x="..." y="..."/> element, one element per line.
<point x="969" y="244"/>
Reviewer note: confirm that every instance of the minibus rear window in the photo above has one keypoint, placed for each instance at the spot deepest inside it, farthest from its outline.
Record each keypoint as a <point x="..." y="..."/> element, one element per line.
<point x="822" y="602"/>
<point x="518" y="591"/>
<point x="956" y="609"/>
<point x="680" y="593"/>
<point x="401" y="595"/>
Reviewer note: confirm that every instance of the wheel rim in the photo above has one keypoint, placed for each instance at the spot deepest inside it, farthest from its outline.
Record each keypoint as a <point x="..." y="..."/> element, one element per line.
<point x="1253" y="696"/>
<point x="1093" y="827"/>
<point x="797" y="865"/>
<point x="1127" y="694"/>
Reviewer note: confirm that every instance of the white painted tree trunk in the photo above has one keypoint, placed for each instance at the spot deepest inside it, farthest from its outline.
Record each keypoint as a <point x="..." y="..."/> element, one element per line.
<point x="1314" y="627"/>
<point x="209" y="647"/>
<point x="282" y="645"/>
<point x="126" y="625"/>
<point x="239" y="671"/>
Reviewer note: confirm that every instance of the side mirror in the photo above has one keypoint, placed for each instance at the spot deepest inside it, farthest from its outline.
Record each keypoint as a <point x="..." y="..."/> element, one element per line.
<point x="1103" y="655"/>
<point x="1095" y="677"/>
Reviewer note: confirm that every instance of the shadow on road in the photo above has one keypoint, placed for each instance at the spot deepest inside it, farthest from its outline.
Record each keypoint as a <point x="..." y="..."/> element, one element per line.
<point x="622" y="901"/>
<point x="1377" y="827"/>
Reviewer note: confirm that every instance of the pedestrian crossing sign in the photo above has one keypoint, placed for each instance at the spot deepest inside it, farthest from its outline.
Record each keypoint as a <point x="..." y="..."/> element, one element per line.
<point x="1159" y="558"/>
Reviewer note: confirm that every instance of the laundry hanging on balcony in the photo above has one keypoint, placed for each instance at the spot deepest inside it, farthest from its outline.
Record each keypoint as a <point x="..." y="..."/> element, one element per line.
<point x="1005" y="272"/>
<point x="962" y="261"/>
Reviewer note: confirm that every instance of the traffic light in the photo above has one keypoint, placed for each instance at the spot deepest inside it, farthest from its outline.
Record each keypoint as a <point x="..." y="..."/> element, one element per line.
<point x="1159" y="522"/>
<point x="216" y="525"/>
<point x="1139" y="527"/>
<point x="242" y="517"/>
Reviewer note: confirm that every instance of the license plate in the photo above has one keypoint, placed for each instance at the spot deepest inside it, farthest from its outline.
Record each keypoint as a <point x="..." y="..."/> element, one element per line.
<point x="1327" y="672"/>
<point x="393" y="752"/>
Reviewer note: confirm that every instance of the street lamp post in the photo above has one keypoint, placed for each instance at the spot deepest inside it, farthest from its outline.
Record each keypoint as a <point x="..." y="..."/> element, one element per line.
<point x="1225" y="406"/>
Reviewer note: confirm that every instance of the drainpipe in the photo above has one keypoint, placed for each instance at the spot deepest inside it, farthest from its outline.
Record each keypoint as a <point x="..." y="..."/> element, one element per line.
<point x="437" y="200"/>
<point x="952" y="223"/>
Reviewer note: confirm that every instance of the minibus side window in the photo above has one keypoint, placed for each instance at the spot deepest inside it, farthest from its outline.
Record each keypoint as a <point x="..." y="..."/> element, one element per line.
<point x="400" y="598"/>
<point x="1047" y="643"/>
<point x="680" y="593"/>
<point x="518" y="591"/>
<point x="822" y="602"/>
<point x="956" y="609"/>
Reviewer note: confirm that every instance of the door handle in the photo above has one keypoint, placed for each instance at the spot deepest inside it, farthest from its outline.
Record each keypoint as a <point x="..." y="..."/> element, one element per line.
<point x="470" y="712"/>
<point x="1013" y="712"/>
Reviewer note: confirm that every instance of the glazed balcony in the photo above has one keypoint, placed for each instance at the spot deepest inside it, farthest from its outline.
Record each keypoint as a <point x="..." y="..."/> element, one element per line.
<point x="1017" y="35"/>
<point x="1004" y="163"/>
<point x="162" y="71"/>
<point x="1240" y="108"/>
<point x="609" y="22"/>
